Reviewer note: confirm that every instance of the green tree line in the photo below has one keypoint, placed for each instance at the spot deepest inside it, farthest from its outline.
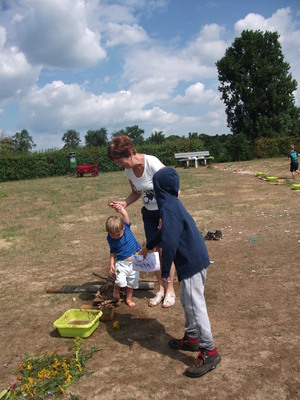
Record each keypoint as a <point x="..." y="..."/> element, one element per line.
<point x="57" y="162"/>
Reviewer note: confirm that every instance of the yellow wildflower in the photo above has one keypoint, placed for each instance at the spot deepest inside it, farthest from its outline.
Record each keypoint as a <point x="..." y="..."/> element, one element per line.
<point x="79" y="367"/>
<point x="116" y="325"/>
<point x="26" y="388"/>
<point x="64" y="365"/>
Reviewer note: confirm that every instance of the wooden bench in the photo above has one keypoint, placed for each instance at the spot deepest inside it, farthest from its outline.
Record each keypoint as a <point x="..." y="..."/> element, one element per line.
<point x="87" y="169"/>
<point x="195" y="156"/>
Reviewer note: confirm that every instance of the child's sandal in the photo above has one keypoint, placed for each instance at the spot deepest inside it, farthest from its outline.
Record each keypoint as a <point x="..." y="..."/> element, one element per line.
<point x="157" y="299"/>
<point x="169" y="300"/>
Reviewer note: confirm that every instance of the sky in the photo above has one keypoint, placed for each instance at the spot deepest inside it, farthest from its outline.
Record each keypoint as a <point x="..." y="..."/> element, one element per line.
<point x="91" y="64"/>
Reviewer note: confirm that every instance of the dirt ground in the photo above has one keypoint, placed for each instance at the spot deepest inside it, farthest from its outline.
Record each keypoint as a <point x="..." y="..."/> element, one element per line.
<point x="52" y="233"/>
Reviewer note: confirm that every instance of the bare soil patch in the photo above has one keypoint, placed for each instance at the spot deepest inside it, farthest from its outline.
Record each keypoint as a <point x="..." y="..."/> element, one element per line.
<point x="52" y="233"/>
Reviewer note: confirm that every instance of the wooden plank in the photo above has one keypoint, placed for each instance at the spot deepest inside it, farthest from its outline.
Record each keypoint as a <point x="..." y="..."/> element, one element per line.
<point x="90" y="288"/>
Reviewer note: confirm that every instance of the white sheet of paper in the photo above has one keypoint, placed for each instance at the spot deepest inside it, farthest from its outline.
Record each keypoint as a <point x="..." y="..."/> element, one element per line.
<point x="149" y="264"/>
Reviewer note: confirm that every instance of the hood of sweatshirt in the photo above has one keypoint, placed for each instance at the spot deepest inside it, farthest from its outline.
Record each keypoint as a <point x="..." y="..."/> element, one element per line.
<point x="166" y="185"/>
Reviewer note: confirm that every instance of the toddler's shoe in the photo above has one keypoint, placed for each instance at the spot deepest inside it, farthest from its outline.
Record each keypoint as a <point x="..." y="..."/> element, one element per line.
<point x="183" y="344"/>
<point x="205" y="362"/>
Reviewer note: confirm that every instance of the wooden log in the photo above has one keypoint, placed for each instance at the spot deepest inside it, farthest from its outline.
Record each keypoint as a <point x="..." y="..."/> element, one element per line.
<point x="74" y="289"/>
<point x="90" y="288"/>
<point x="146" y="285"/>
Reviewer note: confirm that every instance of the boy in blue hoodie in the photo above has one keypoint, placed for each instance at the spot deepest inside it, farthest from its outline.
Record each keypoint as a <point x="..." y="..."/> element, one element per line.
<point x="182" y="243"/>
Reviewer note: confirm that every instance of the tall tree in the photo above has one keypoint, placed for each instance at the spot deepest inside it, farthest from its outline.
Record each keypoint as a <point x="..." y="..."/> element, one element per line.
<point x="257" y="87"/>
<point x="156" y="137"/>
<point x="96" y="138"/>
<point x="238" y="148"/>
<point x="193" y="135"/>
<point x="22" y="142"/>
<point x="71" y="139"/>
<point x="134" y="132"/>
<point x="6" y="144"/>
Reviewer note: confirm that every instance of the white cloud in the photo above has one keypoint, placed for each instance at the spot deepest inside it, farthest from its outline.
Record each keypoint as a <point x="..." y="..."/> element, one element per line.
<point x="65" y="107"/>
<point x="252" y="21"/>
<point x="195" y="94"/>
<point x="156" y="113"/>
<point x="16" y="75"/>
<point x="280" y="21"/>
<point x="208" y="46"/>
<point x="70" y="106"/>
<point x="56" y="33"/>
<point x="125" y="34"/>
<point x="153" y="89"/>
<point x="160" y="62"/>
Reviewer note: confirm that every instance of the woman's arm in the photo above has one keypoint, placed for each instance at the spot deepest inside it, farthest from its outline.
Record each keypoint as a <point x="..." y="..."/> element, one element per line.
<point x="133" y="196"/>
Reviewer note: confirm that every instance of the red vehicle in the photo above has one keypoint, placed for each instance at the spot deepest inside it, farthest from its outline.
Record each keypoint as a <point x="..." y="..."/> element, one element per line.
<point x="87" y="169"/>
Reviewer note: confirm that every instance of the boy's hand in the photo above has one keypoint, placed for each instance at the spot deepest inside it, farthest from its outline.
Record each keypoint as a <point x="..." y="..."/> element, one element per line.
<point x="119" y="208"/>
<point x="112" y="269"/>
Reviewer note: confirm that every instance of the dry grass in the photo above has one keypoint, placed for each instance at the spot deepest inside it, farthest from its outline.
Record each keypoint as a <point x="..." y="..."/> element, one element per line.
<point x="52" y="232"/>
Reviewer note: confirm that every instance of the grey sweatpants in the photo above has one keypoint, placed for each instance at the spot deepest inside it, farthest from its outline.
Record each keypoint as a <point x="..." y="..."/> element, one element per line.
<point x="196" y="318"/>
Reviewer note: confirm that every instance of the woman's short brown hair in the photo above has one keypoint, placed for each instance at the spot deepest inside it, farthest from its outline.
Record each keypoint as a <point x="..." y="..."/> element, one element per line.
<point x="120" y="147"/>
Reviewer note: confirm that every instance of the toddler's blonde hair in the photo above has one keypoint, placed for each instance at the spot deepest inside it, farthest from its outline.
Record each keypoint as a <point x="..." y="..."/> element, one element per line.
<point x="114" y="224"/>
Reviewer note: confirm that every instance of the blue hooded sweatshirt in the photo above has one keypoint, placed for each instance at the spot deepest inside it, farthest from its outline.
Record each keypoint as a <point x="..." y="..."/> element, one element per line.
<point x="179" y="236"/>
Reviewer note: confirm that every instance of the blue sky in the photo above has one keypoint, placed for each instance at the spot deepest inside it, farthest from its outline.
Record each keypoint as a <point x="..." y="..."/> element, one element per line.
<point x="88" y="64"/>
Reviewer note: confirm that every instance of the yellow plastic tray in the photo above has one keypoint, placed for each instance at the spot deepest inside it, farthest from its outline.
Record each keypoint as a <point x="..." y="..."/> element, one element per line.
<point x="78" y="323"/>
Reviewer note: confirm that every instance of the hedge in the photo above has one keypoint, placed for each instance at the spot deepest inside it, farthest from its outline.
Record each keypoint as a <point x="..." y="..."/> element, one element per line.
<point x="268" y="148"/>
<point x="57" y="162"/>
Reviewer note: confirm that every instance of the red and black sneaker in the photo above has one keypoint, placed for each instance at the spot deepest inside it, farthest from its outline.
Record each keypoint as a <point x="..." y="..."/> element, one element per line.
<point x="206" y="361"/>
<point x="186" y="343"/>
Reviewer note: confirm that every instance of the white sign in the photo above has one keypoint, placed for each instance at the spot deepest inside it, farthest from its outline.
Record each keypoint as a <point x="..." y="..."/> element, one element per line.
<point x="149" y="264"/>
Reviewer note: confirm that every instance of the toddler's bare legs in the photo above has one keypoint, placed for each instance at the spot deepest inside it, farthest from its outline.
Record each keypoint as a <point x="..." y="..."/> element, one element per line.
<point x="129" y="293"/>
<point x="116" y="293"/>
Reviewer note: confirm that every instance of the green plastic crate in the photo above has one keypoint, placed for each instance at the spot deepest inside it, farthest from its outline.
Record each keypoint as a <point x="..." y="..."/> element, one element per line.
<point x="78" y="323"/>
<point x="272" y="178"/>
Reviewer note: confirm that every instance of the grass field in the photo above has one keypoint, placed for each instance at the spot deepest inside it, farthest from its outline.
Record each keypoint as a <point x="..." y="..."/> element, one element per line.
<point x="52" y="232"/>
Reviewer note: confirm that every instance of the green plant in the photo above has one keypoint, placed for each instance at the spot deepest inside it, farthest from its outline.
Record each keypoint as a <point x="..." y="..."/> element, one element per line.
<point x="48" y="375"/>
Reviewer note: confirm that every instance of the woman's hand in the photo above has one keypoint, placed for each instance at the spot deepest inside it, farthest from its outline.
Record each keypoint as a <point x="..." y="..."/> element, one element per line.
<point x="117" y="204"/>
<point x="144" y="251"/>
